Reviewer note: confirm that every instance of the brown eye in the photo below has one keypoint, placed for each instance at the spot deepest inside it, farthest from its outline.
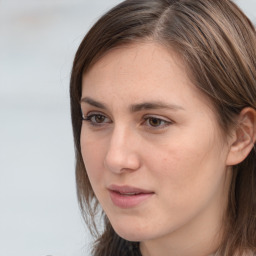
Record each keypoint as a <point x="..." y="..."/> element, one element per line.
<point x="155" y="122"/>
<point x="99" y="118"/>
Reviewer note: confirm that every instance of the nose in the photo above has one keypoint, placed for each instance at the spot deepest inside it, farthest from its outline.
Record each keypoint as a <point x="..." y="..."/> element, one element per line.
<point x="123" y="151"/>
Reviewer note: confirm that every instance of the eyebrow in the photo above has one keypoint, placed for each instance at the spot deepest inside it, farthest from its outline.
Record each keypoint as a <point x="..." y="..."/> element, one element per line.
<point x="154" y="105"/>
<point x="136" y="107"/>
<point x="92" y="102"/>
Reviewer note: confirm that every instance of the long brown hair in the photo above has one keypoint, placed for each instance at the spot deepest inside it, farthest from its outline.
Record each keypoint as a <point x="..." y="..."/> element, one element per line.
<point x="218" y="45"/>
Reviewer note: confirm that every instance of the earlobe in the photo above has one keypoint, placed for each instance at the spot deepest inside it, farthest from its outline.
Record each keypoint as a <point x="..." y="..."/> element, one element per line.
<point x="244" y="137"/>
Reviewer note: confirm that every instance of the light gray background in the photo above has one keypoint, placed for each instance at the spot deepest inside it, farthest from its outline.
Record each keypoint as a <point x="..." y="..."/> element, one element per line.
<point x="39" y="215"/>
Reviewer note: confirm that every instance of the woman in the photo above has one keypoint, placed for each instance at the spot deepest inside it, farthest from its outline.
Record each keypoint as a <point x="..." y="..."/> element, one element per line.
<point x="164" y="119"/>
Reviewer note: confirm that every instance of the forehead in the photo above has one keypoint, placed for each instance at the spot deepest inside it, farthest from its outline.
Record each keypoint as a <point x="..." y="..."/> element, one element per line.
<point x="141" y="65"/>
<point x="139" y="70"/>
<point x="136" y="53"/>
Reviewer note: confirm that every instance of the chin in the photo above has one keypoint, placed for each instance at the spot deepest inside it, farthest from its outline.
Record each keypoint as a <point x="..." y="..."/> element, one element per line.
<point x="132" y="233"/>
<point x="130" y="236"/>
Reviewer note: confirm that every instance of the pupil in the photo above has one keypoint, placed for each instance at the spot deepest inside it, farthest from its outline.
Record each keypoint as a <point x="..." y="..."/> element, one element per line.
<point x="99" y="118"/>
<point x="154" y="122"/>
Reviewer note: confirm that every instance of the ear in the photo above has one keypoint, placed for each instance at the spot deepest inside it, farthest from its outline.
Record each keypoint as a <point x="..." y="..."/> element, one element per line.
<point x="244" y="137"/>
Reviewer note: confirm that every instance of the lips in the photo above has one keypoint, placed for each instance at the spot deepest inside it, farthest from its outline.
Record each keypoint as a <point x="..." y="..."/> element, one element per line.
<point x="128" y="197"/>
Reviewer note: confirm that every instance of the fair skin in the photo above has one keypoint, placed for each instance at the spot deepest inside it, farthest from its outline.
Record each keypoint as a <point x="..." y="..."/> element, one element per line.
<point x="148" y="127"/>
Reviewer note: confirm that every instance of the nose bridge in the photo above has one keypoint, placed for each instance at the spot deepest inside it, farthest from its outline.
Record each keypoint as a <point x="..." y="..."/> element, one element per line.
<point x="122" y="150"/>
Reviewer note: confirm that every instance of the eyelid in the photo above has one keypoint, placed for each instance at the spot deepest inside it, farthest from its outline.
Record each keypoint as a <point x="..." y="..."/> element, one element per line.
<point x="166" y="121"/>
<point x="90" y="113"/>
<point x="88" y="118"/>
<point x="157" y="117"/>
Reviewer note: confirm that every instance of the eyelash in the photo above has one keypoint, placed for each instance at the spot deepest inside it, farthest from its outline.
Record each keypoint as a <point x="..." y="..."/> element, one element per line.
<point x="162" y="125"/>
<point x="146" y="119"/>
<point x="89" y="118"/>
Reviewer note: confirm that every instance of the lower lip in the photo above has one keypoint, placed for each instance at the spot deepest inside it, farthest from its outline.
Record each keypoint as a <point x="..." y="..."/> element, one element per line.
<point x="128" y="201"/>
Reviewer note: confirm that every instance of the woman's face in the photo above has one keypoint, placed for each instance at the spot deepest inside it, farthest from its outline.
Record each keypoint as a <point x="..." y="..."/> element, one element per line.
<point x="151" y="145"/>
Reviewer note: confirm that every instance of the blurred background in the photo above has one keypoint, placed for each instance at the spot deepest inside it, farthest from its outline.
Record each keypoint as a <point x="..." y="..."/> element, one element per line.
<point x="39" y="215"/>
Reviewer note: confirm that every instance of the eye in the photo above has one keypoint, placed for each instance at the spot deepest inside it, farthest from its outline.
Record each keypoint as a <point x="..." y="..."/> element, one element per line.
<point x="156" y="122"/>
<point x="96" y="119"/>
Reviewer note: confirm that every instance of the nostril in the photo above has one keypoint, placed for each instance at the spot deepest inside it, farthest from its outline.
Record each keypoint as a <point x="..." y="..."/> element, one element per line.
<point x="121" y="161"/>
<point x="121" y="154"/>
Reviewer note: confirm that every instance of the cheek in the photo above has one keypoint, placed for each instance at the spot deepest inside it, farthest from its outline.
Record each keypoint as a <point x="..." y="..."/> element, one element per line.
<point x="188" y="165"/>
<point x="93" y="155"/>
<point x="177" y="170"/>
<point x="187" y="180"/>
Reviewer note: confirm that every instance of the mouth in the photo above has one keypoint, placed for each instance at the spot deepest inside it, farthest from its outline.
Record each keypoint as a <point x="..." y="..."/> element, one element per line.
<point x="127" y="196"/>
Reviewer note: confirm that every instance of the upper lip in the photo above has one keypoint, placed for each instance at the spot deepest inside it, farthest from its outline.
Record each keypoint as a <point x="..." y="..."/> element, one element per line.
<point x="128" y="189"/>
